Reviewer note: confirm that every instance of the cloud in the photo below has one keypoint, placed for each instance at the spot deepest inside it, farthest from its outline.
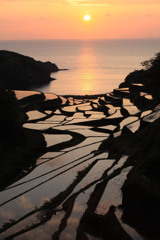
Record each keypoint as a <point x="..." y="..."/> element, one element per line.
<point x="91" y="2"/>
<point x="65" y="2"/>
<point x="114" y="2"/>
<point x="108" y="14"/>
<point x="41" y="2"/>
<point x="6" y="214"/>
<point x="24" y="203"/>
<point x="88" y="2"/>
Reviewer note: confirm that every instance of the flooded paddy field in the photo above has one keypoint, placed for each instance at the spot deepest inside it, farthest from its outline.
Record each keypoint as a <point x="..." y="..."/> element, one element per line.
<point x="74" y="188"/>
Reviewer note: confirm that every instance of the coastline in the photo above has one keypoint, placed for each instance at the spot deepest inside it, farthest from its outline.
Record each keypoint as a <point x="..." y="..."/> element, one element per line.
<point x="124" y="122"/>
<point x="67" y="54"/>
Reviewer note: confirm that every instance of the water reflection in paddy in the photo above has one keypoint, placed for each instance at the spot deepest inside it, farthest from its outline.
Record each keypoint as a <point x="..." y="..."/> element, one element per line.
<point x="43" y="232"/>
<point x="73" y="168"/>
<point x="128" y="120"/>
<point x="78" y="210"/>
<point x="38" y="126"/>
<point x="49" y="185"/>
<point x="112" y="194"/>
<point x="22" y="94"/>
<point x="56" y="138"/>
<point x="35" y="115"/>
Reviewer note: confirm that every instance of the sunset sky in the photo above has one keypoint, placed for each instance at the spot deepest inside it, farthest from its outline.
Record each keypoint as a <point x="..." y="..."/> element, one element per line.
<point x="64" y="19"/>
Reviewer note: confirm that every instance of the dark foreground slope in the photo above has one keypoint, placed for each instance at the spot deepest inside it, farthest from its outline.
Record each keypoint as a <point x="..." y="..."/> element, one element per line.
<point x="22" y="72"/>
<point x="19" y="147"/>
<point x="141" y="191"/>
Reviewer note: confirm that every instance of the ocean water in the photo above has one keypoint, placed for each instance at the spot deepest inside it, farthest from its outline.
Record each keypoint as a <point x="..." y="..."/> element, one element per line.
<point x="94" y="66"/>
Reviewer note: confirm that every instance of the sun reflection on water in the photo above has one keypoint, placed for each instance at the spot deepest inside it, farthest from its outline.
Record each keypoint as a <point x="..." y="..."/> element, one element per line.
<point x="87" y="79"/>
<point x="87" y="84"/>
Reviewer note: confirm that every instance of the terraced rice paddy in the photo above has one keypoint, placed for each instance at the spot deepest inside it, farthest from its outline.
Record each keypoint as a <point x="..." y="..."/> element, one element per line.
<point x="75" y="182"/>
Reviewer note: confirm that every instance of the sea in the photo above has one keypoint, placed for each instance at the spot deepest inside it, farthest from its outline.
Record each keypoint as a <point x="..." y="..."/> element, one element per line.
<point x="93" y="66"/>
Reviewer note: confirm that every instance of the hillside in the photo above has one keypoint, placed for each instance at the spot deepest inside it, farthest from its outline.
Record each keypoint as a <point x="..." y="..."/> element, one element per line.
<point x="21" y="72"/>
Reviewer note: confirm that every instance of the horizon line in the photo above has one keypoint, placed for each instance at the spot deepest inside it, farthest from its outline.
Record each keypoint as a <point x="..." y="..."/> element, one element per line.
<point x="80" y="39"/>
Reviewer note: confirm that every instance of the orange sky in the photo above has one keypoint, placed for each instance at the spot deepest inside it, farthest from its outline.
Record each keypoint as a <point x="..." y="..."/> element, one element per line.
<point x="63" y="19"/>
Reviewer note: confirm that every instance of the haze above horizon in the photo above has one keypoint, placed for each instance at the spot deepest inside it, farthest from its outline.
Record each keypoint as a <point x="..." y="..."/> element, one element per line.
<point x="64" y="19"/>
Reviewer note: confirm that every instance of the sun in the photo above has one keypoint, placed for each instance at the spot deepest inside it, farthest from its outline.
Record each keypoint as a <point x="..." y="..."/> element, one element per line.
<point x="87" y="17"/>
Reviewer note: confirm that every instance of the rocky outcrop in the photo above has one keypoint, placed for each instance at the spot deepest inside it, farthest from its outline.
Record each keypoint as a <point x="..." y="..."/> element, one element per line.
<point x="22" y="72"/>
<point x="148" y="78"/>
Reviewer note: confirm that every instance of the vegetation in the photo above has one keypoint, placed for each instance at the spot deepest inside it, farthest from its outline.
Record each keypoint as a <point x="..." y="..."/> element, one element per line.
<point x="152" y="67"/>
<point x="149" y="76"/>
<point x="152" y="64"/>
